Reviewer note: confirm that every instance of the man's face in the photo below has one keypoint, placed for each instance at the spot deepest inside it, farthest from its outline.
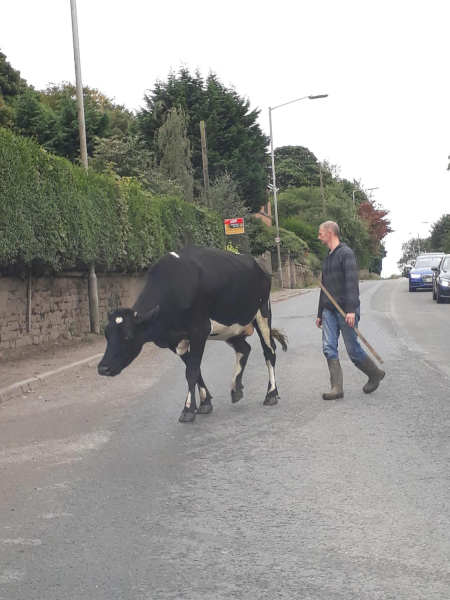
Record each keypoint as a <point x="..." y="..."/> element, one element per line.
<point x="324" y="235"/>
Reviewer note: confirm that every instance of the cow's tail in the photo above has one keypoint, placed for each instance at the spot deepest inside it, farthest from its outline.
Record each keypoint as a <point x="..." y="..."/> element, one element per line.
<point x="279" y="335"/>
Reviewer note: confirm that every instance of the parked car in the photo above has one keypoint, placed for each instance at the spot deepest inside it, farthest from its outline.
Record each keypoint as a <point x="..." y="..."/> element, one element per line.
<point x="421" y="275"/>
<point x="441" y="280"/>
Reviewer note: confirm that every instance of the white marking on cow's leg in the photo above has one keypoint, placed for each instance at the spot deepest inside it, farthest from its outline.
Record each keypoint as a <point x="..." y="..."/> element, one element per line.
<point x="237" y="371"/>
<point x="263" y="324"/>
<point x="188" y="400"/>
<point x="174" y="254"/>
<point x="182" y="347"/>
<point x="273" y="384"/>
<point x="202" y="393"/>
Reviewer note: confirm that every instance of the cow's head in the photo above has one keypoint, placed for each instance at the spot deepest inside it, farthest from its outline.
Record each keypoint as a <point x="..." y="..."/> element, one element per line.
<point x="126" y="333"/>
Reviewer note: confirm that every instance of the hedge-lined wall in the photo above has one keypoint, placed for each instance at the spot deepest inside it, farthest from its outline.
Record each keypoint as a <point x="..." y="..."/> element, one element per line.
<point x="54" y="216"/>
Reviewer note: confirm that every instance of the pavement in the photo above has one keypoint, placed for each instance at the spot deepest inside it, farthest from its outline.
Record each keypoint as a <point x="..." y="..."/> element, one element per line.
<point x="25" y="370"/>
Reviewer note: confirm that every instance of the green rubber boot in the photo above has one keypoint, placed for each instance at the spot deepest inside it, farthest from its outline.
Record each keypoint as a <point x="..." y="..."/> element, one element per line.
<point x="374" y="374"/>
<point x="337" y="380"/>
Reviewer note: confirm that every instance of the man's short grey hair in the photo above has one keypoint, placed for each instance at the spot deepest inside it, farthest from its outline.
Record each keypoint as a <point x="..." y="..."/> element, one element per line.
<point x="331" y="226"/>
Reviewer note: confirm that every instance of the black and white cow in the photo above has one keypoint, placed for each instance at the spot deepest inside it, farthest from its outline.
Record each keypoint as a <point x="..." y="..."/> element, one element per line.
<point x="192" y="296"/>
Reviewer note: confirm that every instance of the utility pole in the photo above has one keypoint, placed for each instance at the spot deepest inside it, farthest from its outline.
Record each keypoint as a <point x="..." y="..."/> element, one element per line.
<point x="275" y="204"/>
<point x="205" y="163"/>
<point x="92" y="279"/>
<point x="79" y="84"/>
<point x="321" y="188"/>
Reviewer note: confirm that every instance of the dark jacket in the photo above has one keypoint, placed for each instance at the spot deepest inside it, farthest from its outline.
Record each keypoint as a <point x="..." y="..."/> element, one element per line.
<point x="340" y="278"/>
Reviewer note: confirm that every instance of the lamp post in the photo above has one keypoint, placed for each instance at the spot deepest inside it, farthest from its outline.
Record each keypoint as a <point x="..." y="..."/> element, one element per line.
<point x="363" y="190"/>
<point x="274" y="182"/>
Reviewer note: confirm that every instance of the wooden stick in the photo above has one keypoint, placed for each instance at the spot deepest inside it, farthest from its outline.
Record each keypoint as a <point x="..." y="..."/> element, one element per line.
<point x="358" y="333"/>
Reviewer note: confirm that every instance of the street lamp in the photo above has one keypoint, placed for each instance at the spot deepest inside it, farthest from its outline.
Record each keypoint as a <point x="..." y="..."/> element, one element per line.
<point x="274" y="182"/>
<point x="363" y="190"/>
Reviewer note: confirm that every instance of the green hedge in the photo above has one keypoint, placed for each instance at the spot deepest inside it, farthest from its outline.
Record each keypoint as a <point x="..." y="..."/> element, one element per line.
<point x="54" y="216"/>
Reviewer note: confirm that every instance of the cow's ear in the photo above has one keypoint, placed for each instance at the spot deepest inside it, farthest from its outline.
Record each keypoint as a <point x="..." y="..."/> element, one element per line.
<point x="149" y="317"/>
<point x="153" y="314"/>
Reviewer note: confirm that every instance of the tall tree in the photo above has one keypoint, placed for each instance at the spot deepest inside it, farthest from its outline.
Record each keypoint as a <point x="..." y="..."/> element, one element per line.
<point x="379" y="226"/>
<point x="440" y="232"/>
<point x="296" y="166"/>
<point x="236" y="143"/>
<point x="11" y="86"/>
<point x="175" y="151"/>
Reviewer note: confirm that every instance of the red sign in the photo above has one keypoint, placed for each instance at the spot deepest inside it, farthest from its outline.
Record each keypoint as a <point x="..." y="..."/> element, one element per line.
<point x="234" y="226"/>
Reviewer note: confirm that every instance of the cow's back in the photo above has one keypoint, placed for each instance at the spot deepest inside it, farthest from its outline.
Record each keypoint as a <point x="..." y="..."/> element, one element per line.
<point x="230" y="287"/>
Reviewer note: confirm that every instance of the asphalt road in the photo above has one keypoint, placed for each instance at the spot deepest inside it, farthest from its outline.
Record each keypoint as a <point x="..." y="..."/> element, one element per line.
<point x="105" y="496"/>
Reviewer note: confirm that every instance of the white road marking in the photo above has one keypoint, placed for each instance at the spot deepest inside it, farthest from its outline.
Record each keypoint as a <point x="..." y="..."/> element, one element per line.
<point x="22" y="542"/>
<point x="174" y="254"/>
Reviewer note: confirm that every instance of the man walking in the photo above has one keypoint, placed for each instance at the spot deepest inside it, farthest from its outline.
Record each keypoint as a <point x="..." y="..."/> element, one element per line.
<point x="340" y="278"/>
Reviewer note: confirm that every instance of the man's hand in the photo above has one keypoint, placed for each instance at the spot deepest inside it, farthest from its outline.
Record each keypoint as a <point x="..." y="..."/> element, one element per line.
<point x="350" y="319"/>
<point x="319" y="322"/>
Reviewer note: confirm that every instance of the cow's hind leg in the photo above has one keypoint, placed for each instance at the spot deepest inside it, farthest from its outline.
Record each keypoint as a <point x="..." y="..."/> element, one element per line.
<point x="262" y="325"/>
<point x="242" y="349"/>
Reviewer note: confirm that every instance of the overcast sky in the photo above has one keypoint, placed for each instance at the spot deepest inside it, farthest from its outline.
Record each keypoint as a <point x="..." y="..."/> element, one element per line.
<point x="384" y="64"/>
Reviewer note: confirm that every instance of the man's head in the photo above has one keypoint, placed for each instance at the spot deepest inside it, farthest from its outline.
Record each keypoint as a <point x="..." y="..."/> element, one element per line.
<point x="329" y="234"/>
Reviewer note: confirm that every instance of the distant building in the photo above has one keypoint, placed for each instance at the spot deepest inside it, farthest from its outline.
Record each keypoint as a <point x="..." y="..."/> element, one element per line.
<point x="265" y="214"/>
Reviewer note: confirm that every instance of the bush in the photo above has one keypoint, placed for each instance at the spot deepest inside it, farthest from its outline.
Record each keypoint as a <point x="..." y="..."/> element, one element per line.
<point x="54" y="216"/>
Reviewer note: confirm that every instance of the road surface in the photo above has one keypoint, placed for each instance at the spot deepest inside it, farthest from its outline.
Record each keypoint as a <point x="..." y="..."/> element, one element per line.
<point x="105" y="496"/>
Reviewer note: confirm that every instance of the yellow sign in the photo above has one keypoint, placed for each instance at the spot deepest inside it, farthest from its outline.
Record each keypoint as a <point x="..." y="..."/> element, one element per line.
<point x="234" y="226"/>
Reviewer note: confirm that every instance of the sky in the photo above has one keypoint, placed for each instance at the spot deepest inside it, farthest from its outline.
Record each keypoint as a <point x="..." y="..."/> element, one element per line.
<point x="383" y="64"/>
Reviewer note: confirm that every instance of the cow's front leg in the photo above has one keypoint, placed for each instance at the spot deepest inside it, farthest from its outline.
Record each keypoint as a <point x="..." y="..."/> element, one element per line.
<point x="205" y="407"/>
<point x="193" y="360"/>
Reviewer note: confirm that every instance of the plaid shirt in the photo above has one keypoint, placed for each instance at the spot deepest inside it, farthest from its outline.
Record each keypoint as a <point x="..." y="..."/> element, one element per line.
<point x="340" y="278"/>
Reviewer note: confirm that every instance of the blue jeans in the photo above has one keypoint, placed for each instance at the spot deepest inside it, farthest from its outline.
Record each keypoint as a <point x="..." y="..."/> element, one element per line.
<point x="333" y="324"/>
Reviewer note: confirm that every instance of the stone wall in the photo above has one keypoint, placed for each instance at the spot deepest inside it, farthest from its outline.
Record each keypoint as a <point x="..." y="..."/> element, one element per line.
<point x="294" y="274"/>
<point x="59" y="306"/>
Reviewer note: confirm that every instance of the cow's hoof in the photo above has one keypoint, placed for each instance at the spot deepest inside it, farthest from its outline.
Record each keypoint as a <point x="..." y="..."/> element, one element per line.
<point x="270" y="400"/>
<point x="187" y="417"/>
<point x="236" y="396"/>
<point x="205" y="409"/>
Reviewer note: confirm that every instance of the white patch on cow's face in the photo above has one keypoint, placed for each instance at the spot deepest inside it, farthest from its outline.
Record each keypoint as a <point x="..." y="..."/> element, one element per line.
<point x="119" y="320"/>
<point x="237" y="370"/>
<point x="174" y="254"/>
<point x="265" y="329"/>
<point x="223" y="333"/>
<point x="182" y="347"/>
<point x="271" y="375"/>
<point x="202" y="393"/>
<point x="188" y="400"/>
